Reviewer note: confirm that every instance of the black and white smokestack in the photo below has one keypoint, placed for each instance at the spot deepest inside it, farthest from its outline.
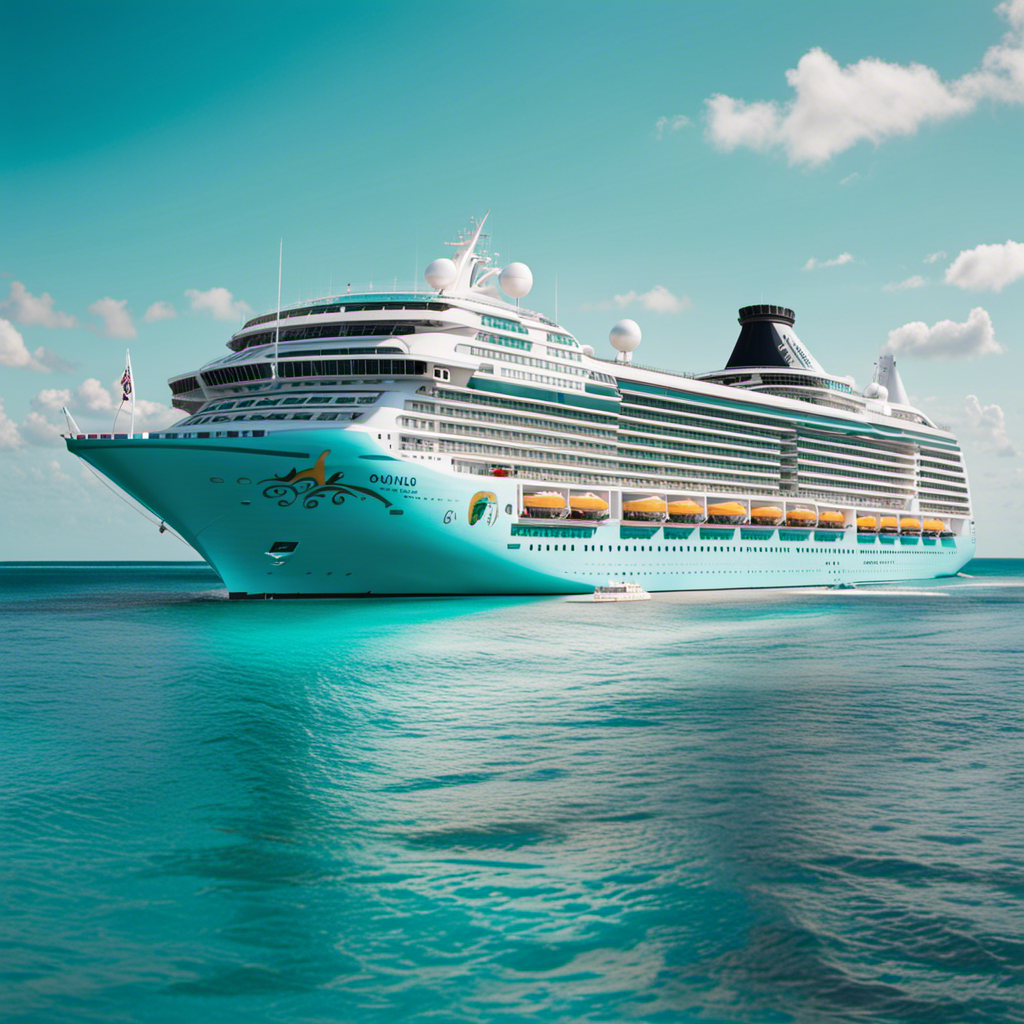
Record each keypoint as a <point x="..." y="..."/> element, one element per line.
<point x="767" y="340"/>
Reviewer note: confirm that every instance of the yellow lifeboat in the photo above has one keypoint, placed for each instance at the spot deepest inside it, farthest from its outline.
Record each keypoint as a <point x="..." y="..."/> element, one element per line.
<point x="832" y="519"/>
<point x="588" y="506"/>
<point x="544" y="505"/>
<point x="932" y="527"/>
<point x="728" y="512"/>
<point x="867" y="524"/>
<point x="685" y="511"/>
<point x="910" y="525"/>
<point x="766" y="515"/>
<point x="801" y="517"/>
<point x="651" y="509"/>
<point x="889" y="524"/>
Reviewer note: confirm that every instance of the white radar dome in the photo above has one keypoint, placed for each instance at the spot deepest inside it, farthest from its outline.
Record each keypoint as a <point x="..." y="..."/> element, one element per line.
<point x="441" y="273"/>
<point x="625" y="336"/>
<point x="876" y="390"/>
<point x="516" y="280"/>
<point x="588" y="350"/>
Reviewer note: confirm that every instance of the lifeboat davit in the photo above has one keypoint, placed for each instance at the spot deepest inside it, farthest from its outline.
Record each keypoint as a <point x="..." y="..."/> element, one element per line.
<point x="651" y="509"/>
<point x="867" y="524"/>
<point x="685" y="511"/>
<point x="588" y="506"/>
<point x="728" y="513"/>
<point x="544" y="505"/>
<point x="766" y="515"/>
<point x="835" y="520"/>
<point x="801" y="517"/>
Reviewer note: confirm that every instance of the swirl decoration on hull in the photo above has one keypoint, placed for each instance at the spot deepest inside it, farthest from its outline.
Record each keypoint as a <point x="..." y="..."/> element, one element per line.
<point x="311" y="486"/>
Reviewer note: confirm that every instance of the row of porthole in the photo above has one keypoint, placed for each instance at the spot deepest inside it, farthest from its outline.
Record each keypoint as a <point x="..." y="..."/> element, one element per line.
<point x="220" y="480"/>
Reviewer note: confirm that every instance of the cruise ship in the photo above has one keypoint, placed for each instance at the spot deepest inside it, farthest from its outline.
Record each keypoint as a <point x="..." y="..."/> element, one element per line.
<point x="450" y="441"/>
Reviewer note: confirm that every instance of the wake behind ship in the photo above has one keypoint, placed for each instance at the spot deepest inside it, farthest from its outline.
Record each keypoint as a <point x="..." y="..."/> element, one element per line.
<point x="451" y="442"/>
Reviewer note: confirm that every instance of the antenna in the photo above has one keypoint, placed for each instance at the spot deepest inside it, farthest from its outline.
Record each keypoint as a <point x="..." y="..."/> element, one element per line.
<point x="277" y="332"/>
<point x="556" y="296"/>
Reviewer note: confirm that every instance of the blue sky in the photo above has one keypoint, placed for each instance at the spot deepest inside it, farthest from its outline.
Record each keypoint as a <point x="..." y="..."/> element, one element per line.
<point x="672" y="162"/>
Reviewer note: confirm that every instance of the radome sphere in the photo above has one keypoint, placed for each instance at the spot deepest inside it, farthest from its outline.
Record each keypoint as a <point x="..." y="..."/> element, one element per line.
<point x="625" y="336"/>
<point x="441" y="273"/>
<point x="878" y="391"/>
<point x="588" y="350"/>
<point x="516" y="280"/>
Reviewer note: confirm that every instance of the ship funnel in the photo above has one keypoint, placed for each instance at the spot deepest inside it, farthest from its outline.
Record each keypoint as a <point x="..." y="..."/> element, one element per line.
<point x="889" y="377"/>
<point x="767" y="338"/>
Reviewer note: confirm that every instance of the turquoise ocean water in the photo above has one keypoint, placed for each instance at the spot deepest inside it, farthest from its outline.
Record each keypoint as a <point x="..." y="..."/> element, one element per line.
<point x="750" y="807"/>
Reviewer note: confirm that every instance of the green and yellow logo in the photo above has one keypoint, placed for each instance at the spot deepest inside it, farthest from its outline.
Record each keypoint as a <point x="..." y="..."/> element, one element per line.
<point x="483" y="506"/>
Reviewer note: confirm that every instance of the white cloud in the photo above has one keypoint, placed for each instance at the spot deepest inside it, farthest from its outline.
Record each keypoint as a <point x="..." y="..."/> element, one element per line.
<point x="218" y="302"/>
<point x="52" y="399"/>
<point x="94" y="396"/>
<point x="117" y="321"/>
<point x="850" y="178"/>
<point x="154" y="416"/>
<point x="934" y="257"/>
<point x="36" y="310"/>
<point x="14" y="352"/>
<point x="814" y="264"/>
<point x="159" y="311"/>
<point x="38" y="430"/>
<point x="987" y="424"/>
<point x="946" y="339"/>
<point x="658" y="300"/>
<point x="669" y="125"/>
<point x="9" y="436"/>
<point x="987" y="267"/>
<point x="834" y="108"/>
<point x="917" y="281"/>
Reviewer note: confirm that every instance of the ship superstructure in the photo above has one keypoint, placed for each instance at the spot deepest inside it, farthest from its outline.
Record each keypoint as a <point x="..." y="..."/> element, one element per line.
<point x="451" y="441"/>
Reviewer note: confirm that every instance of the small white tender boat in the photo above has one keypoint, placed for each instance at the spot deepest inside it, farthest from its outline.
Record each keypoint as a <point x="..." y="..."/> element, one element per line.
<point x="620" y="591"/>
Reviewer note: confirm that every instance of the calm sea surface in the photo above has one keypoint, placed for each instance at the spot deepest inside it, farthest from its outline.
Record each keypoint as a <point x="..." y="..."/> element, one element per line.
<point x="745" y="807"/>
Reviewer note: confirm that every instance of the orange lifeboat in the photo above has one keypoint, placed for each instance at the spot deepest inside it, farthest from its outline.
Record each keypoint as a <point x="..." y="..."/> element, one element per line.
<point x="685" y="511"/>
<point x="889" y="524"/>
<point x="651" y="509"/>
<point x="801" y="517"/>
<point x="588" y="506"/>
<point x="727" y="512"/>
<point x="544" y="505"/>
<point x="910" y="525"/>
<point x="933" y="527"/>
<point x="867" y="524"/>
<point x="835" y="520"/>
<point x="766" y="515"/>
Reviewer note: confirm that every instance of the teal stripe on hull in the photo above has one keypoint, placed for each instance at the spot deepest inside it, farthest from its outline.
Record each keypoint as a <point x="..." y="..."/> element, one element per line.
<point x="345" y="523"/>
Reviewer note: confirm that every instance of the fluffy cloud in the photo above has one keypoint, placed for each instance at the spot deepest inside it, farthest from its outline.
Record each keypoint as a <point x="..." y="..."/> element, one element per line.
<point x="9" y="436"/>
<point x="159" y="311"/>
<point x="670" y="124"/>
<point x="38" y="430"/>
<point x="117" y="321"/>
<point x="834" y="108"/>
<point x="917" y="281"/>
<point x="946" y="339"/>
<point x="987" y="267"/>
<point x="658" y="300"/>
<point x="52" y="399"/>
<point x="94" y="396"/>
<point x="36" y="310"/>
<point x="218" y="302"/>
<point x="987" y="424"/>
<point x="14" y="352"/>
<point x="934" y="257"/>
<point x="814" y="264"/>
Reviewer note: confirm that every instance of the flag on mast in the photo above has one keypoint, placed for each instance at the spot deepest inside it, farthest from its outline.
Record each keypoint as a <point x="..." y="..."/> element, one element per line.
<point x="128" y="387"/>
